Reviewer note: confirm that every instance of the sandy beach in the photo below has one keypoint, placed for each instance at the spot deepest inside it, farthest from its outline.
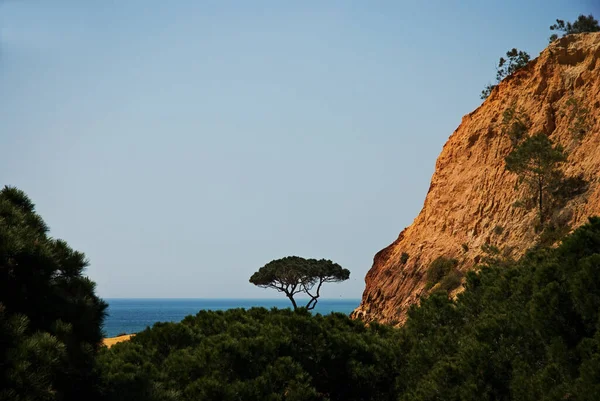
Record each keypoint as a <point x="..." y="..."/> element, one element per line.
<point x="110" y="341"/>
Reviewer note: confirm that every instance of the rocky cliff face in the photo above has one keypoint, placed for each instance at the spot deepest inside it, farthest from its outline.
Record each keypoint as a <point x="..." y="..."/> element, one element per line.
<point x="471" y="199"/>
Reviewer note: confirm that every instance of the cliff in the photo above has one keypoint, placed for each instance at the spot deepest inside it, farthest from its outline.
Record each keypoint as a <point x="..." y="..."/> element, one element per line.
<point x="472" y="199"/>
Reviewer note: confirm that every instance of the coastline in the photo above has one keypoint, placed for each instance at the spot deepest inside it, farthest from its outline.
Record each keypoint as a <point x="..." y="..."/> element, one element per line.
<point x="134" y="315"/>
<point x="110" y="341"/>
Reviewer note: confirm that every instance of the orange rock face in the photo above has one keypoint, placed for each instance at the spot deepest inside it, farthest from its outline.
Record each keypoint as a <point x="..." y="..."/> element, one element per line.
<point x="471" y="199"/>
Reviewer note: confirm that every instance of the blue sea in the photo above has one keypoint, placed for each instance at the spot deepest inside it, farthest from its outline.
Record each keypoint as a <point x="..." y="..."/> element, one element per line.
<point x="129" y="315"/>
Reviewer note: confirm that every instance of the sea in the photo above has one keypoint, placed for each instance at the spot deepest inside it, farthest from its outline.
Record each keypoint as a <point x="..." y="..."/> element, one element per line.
<point x="132" y="315"/>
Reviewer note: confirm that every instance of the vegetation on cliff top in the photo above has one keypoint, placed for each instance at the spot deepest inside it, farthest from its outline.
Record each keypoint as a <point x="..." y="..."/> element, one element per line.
<point x="580" y="25"/>
<point x="517" y="59"/>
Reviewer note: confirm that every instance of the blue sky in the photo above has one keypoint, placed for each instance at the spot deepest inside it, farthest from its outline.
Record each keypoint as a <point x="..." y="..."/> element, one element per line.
<point x="182" y="145"/>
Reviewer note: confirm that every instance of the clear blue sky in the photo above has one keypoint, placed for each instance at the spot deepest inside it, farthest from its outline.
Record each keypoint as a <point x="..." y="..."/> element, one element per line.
<point x="182" y="145"/>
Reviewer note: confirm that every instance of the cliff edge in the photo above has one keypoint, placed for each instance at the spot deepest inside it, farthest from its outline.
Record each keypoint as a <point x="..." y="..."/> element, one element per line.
<point x="473" y="200"/>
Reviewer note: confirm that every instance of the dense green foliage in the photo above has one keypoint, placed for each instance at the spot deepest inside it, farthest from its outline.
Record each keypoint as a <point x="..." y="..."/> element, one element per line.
<point x="50" y="319"/>
<point x="255" y="355"/>
<point x="526" y="330"/>
<point x="581" y="25"/>
<point x="293" y="274"/>
<point x="529" y="331"/>
<point x="515" y="59"/>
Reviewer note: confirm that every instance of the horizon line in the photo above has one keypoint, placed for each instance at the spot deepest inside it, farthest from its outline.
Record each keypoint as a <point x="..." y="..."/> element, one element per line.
<point x="224" y="298"/>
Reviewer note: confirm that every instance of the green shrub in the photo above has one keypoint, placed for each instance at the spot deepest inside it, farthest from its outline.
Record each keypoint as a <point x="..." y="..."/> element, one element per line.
<point x="554" y="231"/>
<point x="451" y="281"/>
<point x="515" y="60"/>
<point x="439" y="268"/>
<point x="404" y="258"/>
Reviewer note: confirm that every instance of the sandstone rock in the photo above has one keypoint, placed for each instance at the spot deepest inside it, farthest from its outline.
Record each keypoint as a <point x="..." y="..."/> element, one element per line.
<point x="471" y="193"/>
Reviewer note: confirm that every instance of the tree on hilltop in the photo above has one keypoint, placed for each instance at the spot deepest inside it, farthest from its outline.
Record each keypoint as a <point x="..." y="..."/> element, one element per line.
<point x="581" y="25"/>
<point x="293" y="275"/>
<point x="515" y="60"/>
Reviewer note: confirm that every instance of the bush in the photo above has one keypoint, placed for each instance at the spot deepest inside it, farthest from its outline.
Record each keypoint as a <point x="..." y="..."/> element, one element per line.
<point x="404" y="258"/>
<point x="515" y="60"/>
<point x="556" y="229"/>
<point x="451" y="281"/>
<point x="438" y="269"/>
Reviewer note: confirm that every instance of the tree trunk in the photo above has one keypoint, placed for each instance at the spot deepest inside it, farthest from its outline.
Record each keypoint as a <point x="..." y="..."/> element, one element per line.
<point x="314" y="298"/>
<point x="541" y="201"/>
<point x="291" y="297"/>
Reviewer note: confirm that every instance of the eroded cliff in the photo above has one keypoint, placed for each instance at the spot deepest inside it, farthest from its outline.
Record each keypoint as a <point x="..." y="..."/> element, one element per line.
<point x="473" y="199"/>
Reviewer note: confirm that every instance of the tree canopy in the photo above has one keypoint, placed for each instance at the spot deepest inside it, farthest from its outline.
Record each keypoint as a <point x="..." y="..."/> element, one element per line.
<point x="50" y="318"/>
<point x="580" y="25"/>
<point x="515" y="59"/>
<point x="536" y="160"/>
<point x="254" y="355"/>
<point x="293" y="275"/>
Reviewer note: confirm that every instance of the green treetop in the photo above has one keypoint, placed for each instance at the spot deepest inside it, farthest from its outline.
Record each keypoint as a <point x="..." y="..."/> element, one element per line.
<point x="515" y="59"/>
<point x="581" y="25"/>
<point x="293" y="275"/>
<point x="50" y="318"/>
<point x="536" y="160"/>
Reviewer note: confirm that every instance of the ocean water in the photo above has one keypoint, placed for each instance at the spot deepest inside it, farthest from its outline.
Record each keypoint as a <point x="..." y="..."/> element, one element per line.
<point x="129" y="315"/>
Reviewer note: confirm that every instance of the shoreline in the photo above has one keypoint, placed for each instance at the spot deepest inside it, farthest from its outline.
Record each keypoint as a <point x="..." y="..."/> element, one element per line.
<point x="110" y="341"/>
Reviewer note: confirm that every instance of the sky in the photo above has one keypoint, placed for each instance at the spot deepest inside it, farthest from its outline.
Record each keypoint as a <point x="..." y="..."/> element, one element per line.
<point x="183" y="145"/>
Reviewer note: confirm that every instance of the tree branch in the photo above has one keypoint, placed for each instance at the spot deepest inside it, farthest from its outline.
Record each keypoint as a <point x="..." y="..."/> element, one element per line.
<point x="314" y="298"/>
